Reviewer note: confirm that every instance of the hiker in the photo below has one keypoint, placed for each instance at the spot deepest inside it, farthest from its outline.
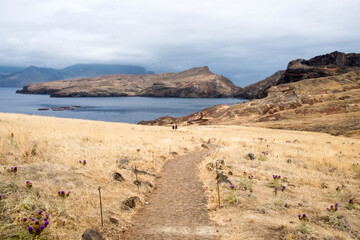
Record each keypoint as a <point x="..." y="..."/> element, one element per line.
<point x="201" y="115"/>
<point x="173" y="127"/>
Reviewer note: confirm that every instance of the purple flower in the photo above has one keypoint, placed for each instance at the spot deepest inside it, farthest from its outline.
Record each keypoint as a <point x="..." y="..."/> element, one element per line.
<point x="337" y="188"/>
<point x="351" y="201"/>
<point x="1" y="196"/>
<point x="30" y="229"/>
<point x="232" y="186"/>
<point x="138" y="150"/>
<point x="33" y="219"/>
<point x="40" y="212"/>
<point x="283" y="188"/>
<point x="46" y="223"/>
<point x="25" y="219"/>
<point x="42" y="227"/>
<point x="84" y="162"/>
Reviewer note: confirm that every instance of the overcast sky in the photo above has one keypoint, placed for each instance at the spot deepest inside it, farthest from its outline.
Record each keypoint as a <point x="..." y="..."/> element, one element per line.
<point x="244" y="40"/>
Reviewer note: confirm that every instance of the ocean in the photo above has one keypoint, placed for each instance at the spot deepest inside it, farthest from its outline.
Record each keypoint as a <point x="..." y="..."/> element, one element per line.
<point x="112" y="109"/>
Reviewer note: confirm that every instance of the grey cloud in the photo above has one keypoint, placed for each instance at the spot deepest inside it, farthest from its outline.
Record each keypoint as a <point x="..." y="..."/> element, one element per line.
<point x="243" y="40"/>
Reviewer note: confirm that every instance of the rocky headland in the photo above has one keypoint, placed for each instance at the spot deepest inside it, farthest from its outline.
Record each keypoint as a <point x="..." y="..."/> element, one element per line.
<point x="194" y="83"/>
<point x="321" y="94"/>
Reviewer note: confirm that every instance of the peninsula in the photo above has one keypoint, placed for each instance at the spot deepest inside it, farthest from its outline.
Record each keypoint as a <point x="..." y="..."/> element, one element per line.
<point x="193" y="83"/>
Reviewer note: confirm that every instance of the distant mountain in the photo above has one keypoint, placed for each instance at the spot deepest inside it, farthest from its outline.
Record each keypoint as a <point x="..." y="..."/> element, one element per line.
<point x="6" y="70"/>
<point x="33" y="74"/>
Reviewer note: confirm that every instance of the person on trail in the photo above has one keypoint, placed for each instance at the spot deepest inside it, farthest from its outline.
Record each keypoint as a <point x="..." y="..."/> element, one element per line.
<point x="173" y="127"/>
<point x="201" y="115"/>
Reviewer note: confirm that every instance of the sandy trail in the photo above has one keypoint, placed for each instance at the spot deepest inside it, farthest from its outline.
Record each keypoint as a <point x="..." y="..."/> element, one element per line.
<point x="177" y="208"/>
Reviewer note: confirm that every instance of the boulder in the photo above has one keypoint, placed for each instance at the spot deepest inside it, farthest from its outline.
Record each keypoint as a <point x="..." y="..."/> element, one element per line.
<point x="131" y="202"/>
<point x="90" y="234"/>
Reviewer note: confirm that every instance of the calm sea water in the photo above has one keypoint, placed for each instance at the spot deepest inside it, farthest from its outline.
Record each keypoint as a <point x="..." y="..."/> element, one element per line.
<point x="113" y="109"/>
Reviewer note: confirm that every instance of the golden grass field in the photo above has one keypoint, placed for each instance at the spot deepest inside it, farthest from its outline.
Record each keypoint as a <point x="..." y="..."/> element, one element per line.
<point x="46" y="151"/>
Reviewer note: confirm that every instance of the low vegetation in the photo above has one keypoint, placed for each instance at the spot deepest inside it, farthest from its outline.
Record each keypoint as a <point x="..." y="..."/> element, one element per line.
<point x="65" y="161"/>
<point x="306" y="188"/>
<point x="61" y="163"/>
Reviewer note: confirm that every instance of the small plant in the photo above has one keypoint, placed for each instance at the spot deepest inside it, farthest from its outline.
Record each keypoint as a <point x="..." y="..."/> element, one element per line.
<point x="246" y="181"/>
<point x="351" y="204"/>
<point x="82" y="162"/>
<point x="264" y="156"/>
<point x="62" y="205"/>
<point x="356" y="168"/>
<point x="338" y="192"/>
<point x="250" y="192"/>
<point x="13" y="172"/>
<point x="28" y="185"/>
<point x="231" y="198"/>
<point x="333" y="219"/>
<point x="303" y="228"/>
<point x="1" y="197"/>
<point x="63" y="195"/>
<point x="275" y="192"/>
<point x="36" y="225"/>
<point x="275" y="183"/>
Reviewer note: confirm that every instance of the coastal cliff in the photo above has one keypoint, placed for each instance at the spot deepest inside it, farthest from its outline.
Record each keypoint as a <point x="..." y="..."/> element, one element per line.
<point x="321" y="94"/>
<point x="194" y="83"/>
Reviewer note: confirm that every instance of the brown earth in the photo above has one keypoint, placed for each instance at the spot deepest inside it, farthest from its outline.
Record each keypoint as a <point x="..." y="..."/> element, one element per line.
<point x="177" y="208"/>
<point x="196" y="82"/>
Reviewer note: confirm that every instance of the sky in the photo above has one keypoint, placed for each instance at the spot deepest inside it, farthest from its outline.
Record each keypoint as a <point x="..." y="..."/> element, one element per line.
<point x="245" y="41"/>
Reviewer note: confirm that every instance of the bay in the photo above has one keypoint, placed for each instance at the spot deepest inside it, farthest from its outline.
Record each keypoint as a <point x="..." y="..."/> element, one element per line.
<point x="112" y="109"/>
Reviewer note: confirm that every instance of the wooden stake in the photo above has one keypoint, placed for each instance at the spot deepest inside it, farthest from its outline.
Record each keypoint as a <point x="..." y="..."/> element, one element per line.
<point x="102" y="221"/>
<point x="217" y="183"/>
<point x="137" y="181"/>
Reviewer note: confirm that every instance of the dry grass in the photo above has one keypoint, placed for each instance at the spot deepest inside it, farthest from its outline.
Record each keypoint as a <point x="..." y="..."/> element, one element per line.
<point x="47" y="150"/>
<point x="318" y="163"/>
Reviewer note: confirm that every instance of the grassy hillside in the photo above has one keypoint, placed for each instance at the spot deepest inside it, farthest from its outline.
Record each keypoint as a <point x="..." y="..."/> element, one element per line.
<point x="47" y="151"/>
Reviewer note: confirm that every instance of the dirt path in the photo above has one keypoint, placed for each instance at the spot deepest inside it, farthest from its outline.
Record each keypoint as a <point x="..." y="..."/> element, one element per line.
<point x="177" y="208"/>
